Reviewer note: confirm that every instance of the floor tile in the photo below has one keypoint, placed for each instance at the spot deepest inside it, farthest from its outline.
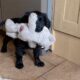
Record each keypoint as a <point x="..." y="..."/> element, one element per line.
<point x="53" y="59"/>
<point x="65" y="71"/>
<point x="40" y="78"/>
<point x="29" y="72"/>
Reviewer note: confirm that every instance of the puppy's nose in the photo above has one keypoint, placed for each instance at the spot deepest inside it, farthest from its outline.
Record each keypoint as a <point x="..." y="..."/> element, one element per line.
<point x="39" y="29"/>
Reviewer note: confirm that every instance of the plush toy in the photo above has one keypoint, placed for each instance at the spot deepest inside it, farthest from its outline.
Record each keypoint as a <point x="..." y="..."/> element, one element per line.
<point x="26" y="32"/>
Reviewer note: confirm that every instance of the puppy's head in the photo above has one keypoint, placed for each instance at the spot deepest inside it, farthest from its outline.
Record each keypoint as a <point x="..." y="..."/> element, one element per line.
<point x="42" y="20"/>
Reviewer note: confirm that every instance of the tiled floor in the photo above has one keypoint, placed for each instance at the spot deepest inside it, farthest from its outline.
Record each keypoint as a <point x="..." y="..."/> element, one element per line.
<point x="56" y="68"/>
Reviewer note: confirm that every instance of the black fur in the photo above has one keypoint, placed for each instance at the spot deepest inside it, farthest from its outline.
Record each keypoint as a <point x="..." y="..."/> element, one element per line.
<point x="20" y="46"/>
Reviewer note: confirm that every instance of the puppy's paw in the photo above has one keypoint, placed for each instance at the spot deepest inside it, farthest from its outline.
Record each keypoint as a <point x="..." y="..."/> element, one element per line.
<point x="39" y="63"/>
<point x="19" y="65"/>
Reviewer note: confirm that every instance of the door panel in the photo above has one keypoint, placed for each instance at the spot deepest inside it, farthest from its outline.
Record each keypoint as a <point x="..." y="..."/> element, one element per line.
<point x="67" y="16"/>
<point x="71" y="10"/>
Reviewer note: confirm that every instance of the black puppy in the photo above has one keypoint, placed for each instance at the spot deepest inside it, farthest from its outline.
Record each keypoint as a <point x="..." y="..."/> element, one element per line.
<point x="21" y="45"/>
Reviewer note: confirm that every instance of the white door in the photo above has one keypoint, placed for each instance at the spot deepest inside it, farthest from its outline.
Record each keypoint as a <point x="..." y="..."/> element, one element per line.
<point x="67" y="16"/>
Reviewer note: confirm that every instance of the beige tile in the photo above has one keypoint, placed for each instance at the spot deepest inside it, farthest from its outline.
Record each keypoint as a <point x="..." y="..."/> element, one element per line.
<point x="40" y="78"/>
<point x="65" y="71"/>
<point x="53" y="59"/>
<point x="29" y="72"/>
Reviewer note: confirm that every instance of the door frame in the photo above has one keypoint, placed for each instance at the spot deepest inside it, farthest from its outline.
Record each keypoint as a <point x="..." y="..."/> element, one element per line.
<point x="47" y="7"/>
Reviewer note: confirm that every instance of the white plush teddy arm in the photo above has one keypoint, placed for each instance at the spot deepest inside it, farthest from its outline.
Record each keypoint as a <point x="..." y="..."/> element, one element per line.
<point x="10" y="26"/>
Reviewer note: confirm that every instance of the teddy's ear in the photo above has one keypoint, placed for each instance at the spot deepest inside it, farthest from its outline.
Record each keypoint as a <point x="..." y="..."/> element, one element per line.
<point x="33" y="18"/>
<point x="21" y="28"/>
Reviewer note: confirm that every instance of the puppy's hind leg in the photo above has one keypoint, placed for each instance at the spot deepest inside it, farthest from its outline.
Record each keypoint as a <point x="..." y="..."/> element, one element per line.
<point x="37" y="51"/>
<point x="6" y="39"/>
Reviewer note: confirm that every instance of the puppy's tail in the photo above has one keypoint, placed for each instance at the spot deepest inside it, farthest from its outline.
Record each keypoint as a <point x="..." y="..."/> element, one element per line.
<point x="2" y="23"/>
<point x="2" y="28"/>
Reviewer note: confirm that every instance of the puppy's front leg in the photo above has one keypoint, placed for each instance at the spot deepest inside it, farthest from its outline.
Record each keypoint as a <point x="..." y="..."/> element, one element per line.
<point x="19" y="56"/>
<point x="37" y="51"/>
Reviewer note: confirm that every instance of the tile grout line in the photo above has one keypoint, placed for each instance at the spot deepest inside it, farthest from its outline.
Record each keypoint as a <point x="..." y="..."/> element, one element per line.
<point x="60" y="63"/>
<point x="44" y="78"/>
<point x="68" y="60"/>
<point x="53" y="63"/>
<point x="50" y="70"/>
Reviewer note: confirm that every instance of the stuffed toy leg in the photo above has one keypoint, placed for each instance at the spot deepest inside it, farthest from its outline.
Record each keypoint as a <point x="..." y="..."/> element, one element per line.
<point x="11" y="28"/>
<point x="12" y="35"/>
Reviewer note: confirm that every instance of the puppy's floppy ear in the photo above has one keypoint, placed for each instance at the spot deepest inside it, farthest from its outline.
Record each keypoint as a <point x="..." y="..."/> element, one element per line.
<point x="47" y="21"/>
